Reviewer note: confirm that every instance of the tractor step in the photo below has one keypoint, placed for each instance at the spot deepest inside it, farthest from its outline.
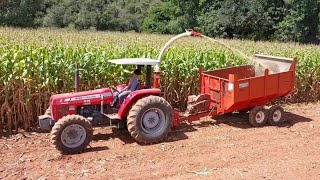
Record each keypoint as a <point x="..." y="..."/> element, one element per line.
<point x="113" y="116"/>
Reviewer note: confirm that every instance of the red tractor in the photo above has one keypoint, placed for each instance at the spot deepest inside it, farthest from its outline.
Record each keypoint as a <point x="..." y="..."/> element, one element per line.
<point x="148" y="116"/>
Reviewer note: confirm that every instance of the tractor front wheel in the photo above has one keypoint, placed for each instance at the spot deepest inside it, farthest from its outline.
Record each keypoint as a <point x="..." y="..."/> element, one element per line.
<point x="150" y="119"/>
<point x="71" y="134"/>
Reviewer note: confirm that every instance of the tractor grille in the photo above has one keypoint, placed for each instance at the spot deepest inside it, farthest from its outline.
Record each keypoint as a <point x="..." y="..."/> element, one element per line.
<point x="63" y="110"/>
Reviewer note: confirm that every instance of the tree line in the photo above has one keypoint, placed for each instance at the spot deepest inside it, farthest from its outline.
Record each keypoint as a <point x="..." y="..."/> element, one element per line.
<point x="284" y="20"/>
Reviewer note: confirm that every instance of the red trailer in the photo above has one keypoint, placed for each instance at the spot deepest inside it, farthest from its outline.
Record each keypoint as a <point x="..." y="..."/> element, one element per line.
<point x="243" y="88"/>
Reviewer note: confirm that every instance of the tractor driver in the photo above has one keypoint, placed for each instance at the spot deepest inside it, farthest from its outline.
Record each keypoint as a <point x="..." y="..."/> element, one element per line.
<point x="132" y="86"/>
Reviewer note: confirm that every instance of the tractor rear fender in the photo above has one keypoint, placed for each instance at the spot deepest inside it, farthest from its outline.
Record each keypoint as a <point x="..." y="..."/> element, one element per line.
<point x="133" y="98"/>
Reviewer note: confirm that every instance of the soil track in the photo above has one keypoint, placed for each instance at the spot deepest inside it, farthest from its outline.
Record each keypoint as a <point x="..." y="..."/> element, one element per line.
<point x="224" y="148"/>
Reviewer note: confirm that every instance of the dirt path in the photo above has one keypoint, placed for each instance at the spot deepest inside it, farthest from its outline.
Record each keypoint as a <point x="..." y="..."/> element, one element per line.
<point x="212" y="149"/>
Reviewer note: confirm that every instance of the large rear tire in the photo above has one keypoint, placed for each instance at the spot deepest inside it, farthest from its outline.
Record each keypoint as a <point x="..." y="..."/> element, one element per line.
<point x="71" y="134"/>
<point x="150" y="119"/>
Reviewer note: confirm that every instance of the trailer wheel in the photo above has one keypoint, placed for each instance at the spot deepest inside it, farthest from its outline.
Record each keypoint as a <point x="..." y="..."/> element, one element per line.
<point x="258" y="116"/>
<point x="276" y="115"/>
<point x="71" y="134"/>
<point x="150" y="119"/>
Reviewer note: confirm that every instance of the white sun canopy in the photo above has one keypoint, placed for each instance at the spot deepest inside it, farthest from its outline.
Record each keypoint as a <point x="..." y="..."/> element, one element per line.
<point x="135" y="61"/>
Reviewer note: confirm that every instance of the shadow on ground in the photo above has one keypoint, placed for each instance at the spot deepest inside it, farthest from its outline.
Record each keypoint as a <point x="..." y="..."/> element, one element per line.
<point x="121" y="134"/>
<point x="241" y="120"/>
<point x="294" y="119"/>
<point x="238" y="120"/>
<point x="96" y="149"/>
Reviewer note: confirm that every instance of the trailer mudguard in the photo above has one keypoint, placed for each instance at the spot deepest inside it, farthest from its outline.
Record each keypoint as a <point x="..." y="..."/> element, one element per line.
<point x="133" y="98"/>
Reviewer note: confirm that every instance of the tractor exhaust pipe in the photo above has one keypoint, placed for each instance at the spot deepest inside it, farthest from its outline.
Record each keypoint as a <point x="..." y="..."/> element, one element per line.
<point x="76" y="78"/>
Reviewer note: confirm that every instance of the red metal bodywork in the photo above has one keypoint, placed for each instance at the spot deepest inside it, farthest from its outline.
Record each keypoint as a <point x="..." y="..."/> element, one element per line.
<point x="134" y="97"/>
<point x="64" y="104"/>
<point x="195" y="33"/>
<point x="156" y="79"/>
<point x="239" y="88"/>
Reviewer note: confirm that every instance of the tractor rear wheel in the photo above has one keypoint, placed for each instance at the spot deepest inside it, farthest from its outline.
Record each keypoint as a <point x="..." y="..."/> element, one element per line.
<point x="276" y="115"/>
<point x="150" y="119"/>
<point x="258" y="116"/>
<point x="71" y="134"/>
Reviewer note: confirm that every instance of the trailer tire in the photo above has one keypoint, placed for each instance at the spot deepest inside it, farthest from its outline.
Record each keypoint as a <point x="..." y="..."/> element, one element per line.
<point x="150" y="119"/>
<point x="258" y="116"/>
<point x="276" y="115"/>
<point x="71" y="134"/>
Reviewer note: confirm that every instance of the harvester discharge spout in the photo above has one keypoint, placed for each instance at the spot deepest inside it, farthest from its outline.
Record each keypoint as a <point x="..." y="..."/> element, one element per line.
<point x="187" y="33"/>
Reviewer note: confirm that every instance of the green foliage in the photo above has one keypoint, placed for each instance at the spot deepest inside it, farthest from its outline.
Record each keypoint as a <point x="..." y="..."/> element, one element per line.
<point x="161" y="19"/>
<point x="126" y="15"/>
<point x="118" y="15"/>
<point x="301" y="23"/>
<point x="84" y="14"/>
<point x="33" y="63"/>
<point x="284" y="20"/>
<point x="21" y="13"/>
<point x="189" y="11"/>
<point x="241" y="19"/>
<point x="172" y="17"/>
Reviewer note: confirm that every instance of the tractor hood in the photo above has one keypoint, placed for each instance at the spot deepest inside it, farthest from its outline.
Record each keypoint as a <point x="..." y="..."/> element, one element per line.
<point x="70" y="98"/>
<point x="64" y="104"/>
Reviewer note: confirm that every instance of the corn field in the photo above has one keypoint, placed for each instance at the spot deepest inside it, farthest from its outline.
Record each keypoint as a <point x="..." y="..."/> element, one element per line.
<point x="34" y="64"/>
